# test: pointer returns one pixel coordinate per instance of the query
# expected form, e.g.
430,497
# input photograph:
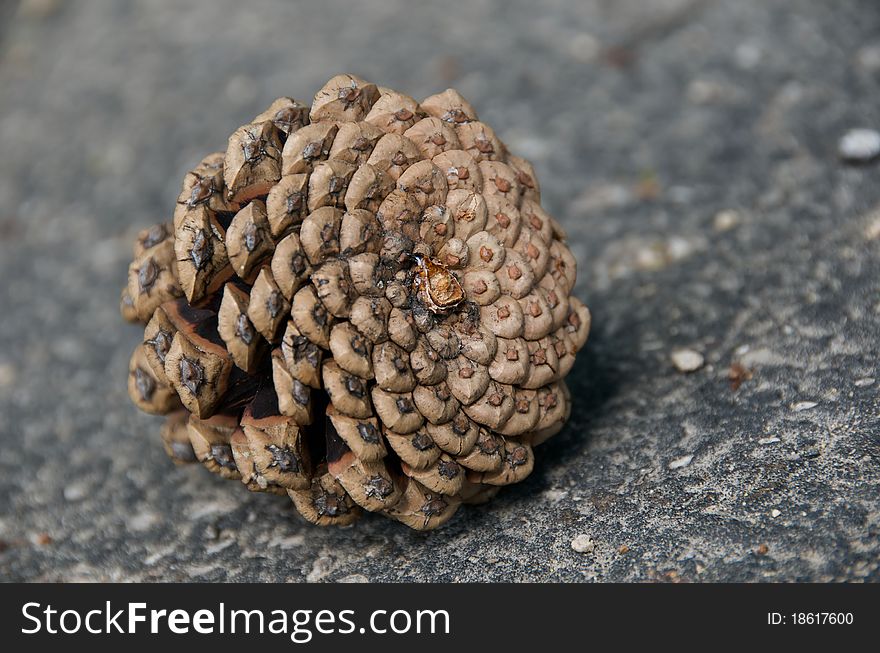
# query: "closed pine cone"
360,304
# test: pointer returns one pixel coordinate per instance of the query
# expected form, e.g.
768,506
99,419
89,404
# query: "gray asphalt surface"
688,147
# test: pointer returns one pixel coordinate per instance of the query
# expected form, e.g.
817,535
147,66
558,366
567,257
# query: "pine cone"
360,304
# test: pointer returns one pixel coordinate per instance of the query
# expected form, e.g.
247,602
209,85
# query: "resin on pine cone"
360,304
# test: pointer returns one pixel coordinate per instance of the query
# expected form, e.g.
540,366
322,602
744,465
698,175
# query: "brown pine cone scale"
360,304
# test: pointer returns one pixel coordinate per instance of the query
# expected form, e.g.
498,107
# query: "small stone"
143,521
218,546
322,566
7,375
583,544
859,145
864,383
75,492
768,440
872,225
624,549
803,405
747,55
39,9
704,91
868,58
687,360
684,461
584,47
726,220
775,513
354,578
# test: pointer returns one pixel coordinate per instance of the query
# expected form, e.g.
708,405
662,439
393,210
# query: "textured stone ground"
690,149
